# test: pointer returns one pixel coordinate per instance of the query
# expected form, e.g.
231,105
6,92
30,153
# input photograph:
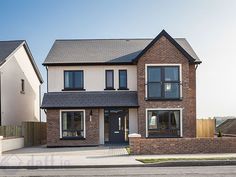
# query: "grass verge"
183,159
128,150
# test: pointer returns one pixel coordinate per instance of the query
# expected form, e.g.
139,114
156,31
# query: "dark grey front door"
117,133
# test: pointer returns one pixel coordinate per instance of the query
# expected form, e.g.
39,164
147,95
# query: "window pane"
68,79
106,125
109,79
154,74
171,73
152,120
73,124
163,123
78,79
66,120
154,90
175,123
171,90
123,79
78,121
174,120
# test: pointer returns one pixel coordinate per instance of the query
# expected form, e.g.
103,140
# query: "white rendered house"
20,82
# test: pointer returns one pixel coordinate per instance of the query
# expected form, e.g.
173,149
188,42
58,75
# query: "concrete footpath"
102,156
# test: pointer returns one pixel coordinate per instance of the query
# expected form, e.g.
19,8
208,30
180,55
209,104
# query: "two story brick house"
99,91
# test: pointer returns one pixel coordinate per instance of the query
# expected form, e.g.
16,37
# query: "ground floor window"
73,124
163,123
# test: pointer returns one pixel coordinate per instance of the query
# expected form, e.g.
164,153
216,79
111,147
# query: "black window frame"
109,88
22,86
163,82
80,130
126,87
73,88
165,136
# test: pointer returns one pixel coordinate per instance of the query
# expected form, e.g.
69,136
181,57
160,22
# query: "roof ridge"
104,39
180,38
98,39
13,41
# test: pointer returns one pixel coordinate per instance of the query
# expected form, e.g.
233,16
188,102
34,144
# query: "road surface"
211,171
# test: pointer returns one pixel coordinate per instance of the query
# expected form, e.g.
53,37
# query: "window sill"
163,99
109,89
156,137
122,89
72,89
72,138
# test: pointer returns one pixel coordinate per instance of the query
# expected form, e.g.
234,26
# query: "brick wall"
164,52
182,145
53,130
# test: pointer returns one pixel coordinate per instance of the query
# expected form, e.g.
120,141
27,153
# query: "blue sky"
210,26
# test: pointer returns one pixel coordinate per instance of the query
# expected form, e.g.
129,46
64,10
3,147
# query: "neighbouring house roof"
109,51
227,127
87,99
7,48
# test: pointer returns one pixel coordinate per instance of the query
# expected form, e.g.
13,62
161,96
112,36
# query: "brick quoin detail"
53,130
164,52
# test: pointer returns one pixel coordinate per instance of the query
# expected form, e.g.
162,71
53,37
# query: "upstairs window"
74,80
109,80
163,82
122,79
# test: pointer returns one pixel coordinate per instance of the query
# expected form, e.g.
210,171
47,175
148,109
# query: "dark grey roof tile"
90,99
7,47
103,50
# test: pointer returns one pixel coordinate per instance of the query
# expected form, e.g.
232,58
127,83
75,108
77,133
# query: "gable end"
165,34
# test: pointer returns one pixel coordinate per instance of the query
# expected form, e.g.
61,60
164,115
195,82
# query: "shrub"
219,133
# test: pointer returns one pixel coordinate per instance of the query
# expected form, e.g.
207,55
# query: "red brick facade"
53,129
182,145
164,52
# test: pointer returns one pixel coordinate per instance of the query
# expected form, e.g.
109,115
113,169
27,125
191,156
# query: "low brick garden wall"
140,145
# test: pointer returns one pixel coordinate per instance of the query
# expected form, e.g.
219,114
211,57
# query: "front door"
117,129
116,125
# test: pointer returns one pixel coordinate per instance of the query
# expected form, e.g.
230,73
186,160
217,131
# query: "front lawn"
183,159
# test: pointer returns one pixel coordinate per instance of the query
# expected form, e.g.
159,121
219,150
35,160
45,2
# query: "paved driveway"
40,156
83,156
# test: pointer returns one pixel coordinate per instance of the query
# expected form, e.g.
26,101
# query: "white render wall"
94,77
17,107
133,121
12,143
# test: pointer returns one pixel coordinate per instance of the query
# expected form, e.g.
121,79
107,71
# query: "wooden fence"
34,133
205,128
11,131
